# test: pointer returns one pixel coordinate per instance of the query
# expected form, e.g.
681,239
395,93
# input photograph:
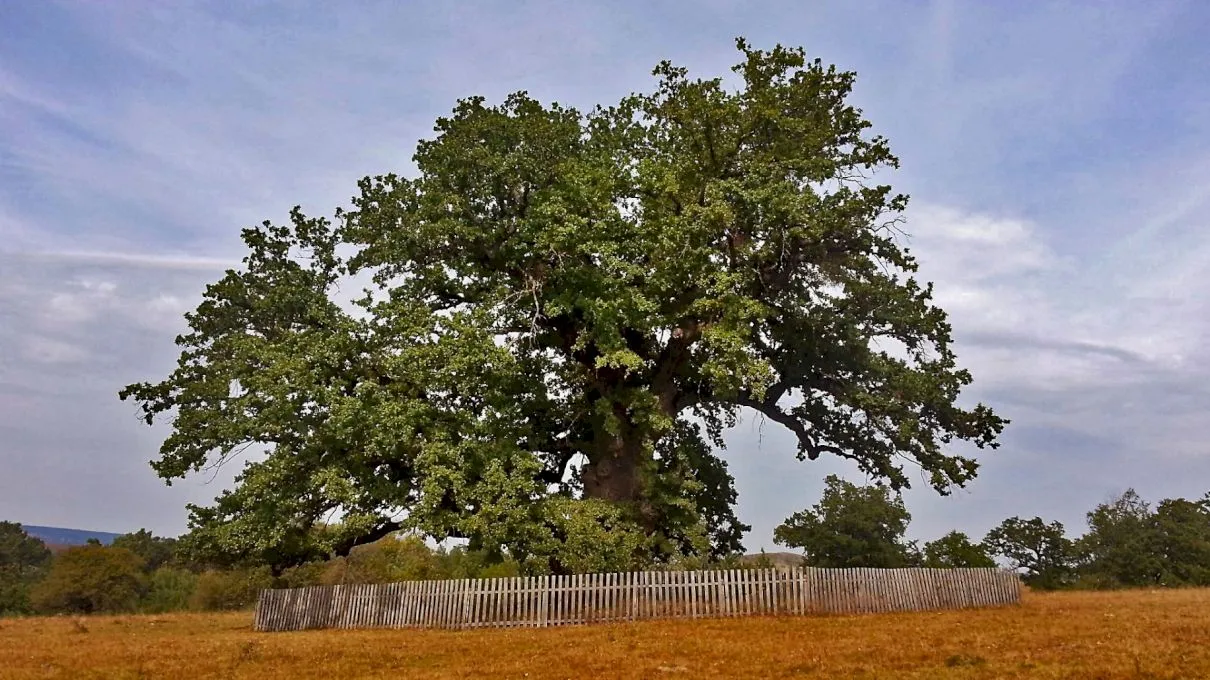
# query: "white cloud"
127,259
82,301
44,350
1033,317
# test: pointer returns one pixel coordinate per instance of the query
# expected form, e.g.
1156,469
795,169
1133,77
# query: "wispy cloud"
142,260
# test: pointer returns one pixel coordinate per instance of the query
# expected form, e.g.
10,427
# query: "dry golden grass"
1136,634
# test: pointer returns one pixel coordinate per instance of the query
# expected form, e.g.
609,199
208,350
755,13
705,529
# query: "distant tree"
1121,545
1041,550
851,526
1182,530
156,551
91,579
956,550
23,560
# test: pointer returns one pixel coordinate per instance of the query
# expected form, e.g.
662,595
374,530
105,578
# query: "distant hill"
779,559
58,536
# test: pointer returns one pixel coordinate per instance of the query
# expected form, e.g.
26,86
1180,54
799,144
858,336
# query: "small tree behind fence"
589,598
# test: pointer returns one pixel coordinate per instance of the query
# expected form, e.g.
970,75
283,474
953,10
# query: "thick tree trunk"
615,468
612,472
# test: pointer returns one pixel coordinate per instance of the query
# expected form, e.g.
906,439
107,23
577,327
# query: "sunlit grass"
1132,634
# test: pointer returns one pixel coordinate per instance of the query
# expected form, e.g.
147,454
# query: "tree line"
1128,543
141,572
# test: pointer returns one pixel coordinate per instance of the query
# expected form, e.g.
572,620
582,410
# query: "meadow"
1123,634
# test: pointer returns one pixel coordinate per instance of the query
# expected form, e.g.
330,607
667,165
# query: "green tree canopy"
955,550
1182,530
1041,550
156,551
567,310
91,579
23,560
1120,546
851,526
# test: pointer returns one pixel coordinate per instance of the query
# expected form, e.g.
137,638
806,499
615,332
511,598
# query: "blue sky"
1058,155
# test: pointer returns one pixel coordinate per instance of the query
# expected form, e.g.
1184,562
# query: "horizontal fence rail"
540,601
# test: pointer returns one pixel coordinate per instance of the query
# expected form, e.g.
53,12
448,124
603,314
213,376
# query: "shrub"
391,559
168,590
505,569
309,574
91,579
235,589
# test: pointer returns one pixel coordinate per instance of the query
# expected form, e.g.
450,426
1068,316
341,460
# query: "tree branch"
381,531
807,444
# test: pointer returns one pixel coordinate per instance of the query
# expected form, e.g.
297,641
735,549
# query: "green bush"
505,569
168,590
223,590
91,579
309,574
391,559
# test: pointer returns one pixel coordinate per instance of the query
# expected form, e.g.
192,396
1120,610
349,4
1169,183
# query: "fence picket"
648,580
569,600
568,614
633,595
514,601
606,612
605,597
437,618
802,590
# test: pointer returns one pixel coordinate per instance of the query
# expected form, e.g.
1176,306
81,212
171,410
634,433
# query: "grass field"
1135,634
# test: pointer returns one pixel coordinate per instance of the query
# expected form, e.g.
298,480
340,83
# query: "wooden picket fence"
590,598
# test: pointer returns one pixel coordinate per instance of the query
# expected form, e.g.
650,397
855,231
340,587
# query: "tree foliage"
1182,540
1041,550
851,526
1120,545
23,560
219,590
169,589
91,579
156,551
955,550
558,299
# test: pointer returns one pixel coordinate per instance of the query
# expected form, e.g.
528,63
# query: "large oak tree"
567,311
